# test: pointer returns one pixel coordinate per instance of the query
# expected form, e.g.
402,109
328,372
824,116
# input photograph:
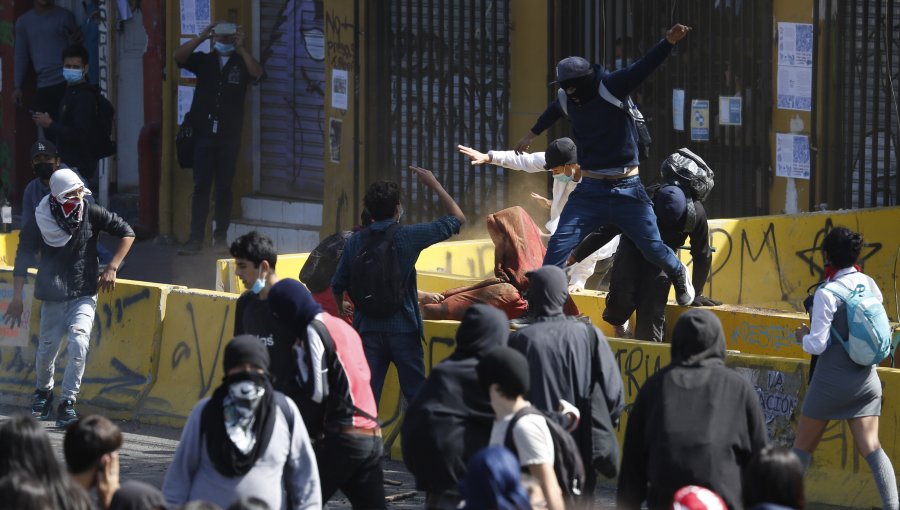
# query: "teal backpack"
869,340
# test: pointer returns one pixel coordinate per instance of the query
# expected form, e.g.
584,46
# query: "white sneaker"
684,288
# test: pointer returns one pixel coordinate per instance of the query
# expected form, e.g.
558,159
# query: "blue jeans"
74,319
623,203
405,351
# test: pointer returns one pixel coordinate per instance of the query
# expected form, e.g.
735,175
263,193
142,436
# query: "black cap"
570,68
43,147
246,349
508,368
560,152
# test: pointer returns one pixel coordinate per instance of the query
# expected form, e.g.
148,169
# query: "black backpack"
567,463
316,273
102,144
689,172
377,287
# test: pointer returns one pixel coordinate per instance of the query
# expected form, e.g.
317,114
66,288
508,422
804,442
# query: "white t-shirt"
531,437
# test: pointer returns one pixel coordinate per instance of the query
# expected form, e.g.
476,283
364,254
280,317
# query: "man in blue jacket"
606,136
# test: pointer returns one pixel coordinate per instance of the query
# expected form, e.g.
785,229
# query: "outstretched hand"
478,158
425,176
677,33
524,145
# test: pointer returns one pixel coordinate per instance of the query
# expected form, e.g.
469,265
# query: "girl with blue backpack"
850,334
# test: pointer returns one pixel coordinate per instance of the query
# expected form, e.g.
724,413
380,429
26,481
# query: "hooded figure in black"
695,422
451,417
571,360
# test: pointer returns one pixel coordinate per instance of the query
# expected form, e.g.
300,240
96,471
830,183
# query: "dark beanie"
670,205
291,302
246,349
508,368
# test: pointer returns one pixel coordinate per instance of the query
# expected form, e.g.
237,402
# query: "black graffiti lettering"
181,351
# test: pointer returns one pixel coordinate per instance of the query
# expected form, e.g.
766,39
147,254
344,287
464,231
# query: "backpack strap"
508,441
627,106
330,350
287,473
563,99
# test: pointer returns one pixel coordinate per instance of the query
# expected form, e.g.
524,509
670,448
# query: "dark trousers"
215,159
637,285
352,464
405,351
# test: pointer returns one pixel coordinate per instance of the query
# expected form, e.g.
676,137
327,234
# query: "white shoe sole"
688,297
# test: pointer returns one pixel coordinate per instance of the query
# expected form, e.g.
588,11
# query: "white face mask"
259,284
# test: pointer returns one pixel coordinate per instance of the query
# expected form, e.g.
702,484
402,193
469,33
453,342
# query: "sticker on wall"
730,110
700,120
678,109
334,139
792,156
795,58
195,16
339,86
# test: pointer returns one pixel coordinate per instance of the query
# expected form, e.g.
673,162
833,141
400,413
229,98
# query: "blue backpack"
869,340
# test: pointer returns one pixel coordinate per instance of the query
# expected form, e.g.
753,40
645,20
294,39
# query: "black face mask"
585,90
43,170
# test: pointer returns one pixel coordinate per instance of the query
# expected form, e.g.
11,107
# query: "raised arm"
184,51
428,179
624,81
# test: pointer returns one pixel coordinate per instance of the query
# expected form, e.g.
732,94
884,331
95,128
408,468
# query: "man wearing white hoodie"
560,159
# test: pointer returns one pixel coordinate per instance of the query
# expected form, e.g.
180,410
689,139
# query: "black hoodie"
571,360
695,422
451,417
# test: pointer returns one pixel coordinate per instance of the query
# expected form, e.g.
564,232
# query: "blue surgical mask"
562,177
259,284
73,76
224,48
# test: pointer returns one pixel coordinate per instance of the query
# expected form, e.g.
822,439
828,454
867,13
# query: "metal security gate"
440,78
728,54
858,140
292,99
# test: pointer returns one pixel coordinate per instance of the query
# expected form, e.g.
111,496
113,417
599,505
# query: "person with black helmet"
638,285
605,128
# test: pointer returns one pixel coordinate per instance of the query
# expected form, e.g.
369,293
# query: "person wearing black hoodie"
571,360
695,422
451,417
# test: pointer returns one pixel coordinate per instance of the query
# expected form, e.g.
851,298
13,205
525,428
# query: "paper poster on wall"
700,120
185,97
795,44
795,88
730,110
195,16
678,109
204,47
334,139
792,155
339,85
16,336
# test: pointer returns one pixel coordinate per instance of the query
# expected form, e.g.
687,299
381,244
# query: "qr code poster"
792,156
795,44
18,336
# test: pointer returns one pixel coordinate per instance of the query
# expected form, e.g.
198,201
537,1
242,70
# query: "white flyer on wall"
195,16
795,44
185,97
792,156
795,88
678,109
339,86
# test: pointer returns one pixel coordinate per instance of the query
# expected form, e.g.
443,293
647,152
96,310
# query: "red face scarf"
830,271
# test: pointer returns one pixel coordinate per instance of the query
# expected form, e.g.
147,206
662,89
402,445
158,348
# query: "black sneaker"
40,404
525,320
220,244
684,288
65,413
192,247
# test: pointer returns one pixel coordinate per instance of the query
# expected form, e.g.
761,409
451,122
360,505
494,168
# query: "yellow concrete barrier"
8,245
771,261
838,476
197,326
123,351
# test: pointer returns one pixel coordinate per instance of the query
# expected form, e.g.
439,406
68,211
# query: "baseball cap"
560,152
43,147
572,67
